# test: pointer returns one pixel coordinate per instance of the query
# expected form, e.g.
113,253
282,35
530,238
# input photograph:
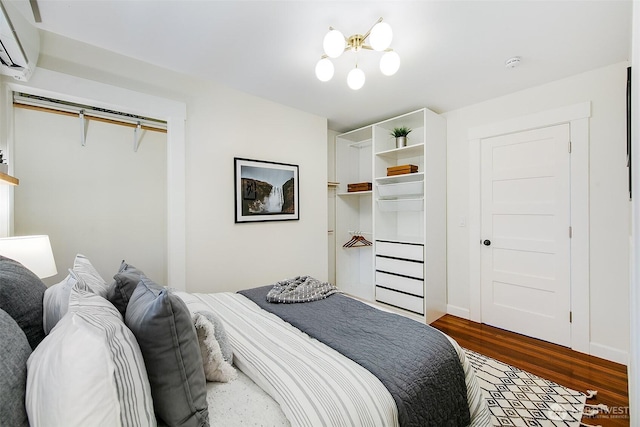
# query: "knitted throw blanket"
300,289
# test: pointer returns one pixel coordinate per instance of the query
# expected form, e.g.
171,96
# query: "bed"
274,356
85,352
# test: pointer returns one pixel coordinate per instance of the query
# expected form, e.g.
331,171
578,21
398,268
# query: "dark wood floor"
556,363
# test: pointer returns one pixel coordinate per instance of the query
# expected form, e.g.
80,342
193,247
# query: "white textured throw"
300,289
215,367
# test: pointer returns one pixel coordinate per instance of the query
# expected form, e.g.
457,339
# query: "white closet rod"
88,114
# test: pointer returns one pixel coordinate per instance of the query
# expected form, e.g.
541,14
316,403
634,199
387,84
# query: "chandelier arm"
369,32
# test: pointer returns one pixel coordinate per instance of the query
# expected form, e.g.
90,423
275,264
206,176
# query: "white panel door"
525,280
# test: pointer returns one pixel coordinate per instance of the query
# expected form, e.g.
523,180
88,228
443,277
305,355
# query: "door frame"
577,116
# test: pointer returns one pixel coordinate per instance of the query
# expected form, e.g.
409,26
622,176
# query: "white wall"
102,200
223,123
609,207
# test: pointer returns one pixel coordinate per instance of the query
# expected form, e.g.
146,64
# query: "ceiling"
453,53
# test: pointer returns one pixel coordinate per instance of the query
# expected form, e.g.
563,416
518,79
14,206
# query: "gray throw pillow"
221,335
21,294
14,352
162,325
124,283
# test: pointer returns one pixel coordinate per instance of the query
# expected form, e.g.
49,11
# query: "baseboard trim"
458,311
609,353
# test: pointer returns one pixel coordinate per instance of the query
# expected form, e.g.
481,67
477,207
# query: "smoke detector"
512,62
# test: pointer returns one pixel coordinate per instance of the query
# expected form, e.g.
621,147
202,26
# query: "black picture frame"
266,191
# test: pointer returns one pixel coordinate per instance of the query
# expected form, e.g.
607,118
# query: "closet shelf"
394,179
8,179
355,193
404,152
394,205
400,189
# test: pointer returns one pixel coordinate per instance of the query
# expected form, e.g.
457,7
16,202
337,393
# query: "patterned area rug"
518,398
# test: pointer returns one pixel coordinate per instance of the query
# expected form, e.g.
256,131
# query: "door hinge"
569,146
570,317
570,232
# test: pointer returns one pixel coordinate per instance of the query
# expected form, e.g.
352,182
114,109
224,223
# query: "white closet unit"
403,215
354,212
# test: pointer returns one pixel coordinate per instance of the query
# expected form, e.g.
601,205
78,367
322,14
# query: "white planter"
4,168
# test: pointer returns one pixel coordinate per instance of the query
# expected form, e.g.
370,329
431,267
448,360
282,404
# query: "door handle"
487,242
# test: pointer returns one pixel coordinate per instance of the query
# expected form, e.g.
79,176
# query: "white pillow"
90,276
56,298
89,370
56,302
215,367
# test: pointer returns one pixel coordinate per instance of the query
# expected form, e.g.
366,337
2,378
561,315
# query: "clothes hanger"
357,240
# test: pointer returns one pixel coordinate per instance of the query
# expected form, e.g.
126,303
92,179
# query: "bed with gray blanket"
363,366
415,362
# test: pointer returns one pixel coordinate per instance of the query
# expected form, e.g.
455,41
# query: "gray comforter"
415,362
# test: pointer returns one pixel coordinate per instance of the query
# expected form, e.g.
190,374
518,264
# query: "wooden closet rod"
86,116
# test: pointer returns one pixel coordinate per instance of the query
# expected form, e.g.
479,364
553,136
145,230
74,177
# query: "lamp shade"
381,36
389,63
34,252
334,44
324,70
355,78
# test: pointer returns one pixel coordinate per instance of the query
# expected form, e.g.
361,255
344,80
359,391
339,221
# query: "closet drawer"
399,266
400,250
399,283
397,299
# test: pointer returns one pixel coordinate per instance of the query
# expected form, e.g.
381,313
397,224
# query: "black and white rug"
518,398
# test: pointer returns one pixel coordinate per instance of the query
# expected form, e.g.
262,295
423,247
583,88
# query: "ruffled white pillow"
215,367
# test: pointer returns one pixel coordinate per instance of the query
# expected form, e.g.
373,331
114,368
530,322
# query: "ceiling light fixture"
335,43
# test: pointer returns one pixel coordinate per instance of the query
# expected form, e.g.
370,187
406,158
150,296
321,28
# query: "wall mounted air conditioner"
19,43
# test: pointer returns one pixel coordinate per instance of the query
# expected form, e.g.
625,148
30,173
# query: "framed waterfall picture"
265,191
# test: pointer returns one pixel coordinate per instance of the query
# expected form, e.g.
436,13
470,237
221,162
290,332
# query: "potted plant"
400,133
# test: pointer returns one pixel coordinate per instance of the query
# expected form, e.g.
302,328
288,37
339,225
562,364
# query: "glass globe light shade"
324,70
389,63
355,78
334,44
380,36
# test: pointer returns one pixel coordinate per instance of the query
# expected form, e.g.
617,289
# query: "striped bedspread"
313,384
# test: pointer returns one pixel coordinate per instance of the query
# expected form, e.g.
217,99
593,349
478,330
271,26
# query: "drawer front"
397,299
402,284
400,250
398,266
